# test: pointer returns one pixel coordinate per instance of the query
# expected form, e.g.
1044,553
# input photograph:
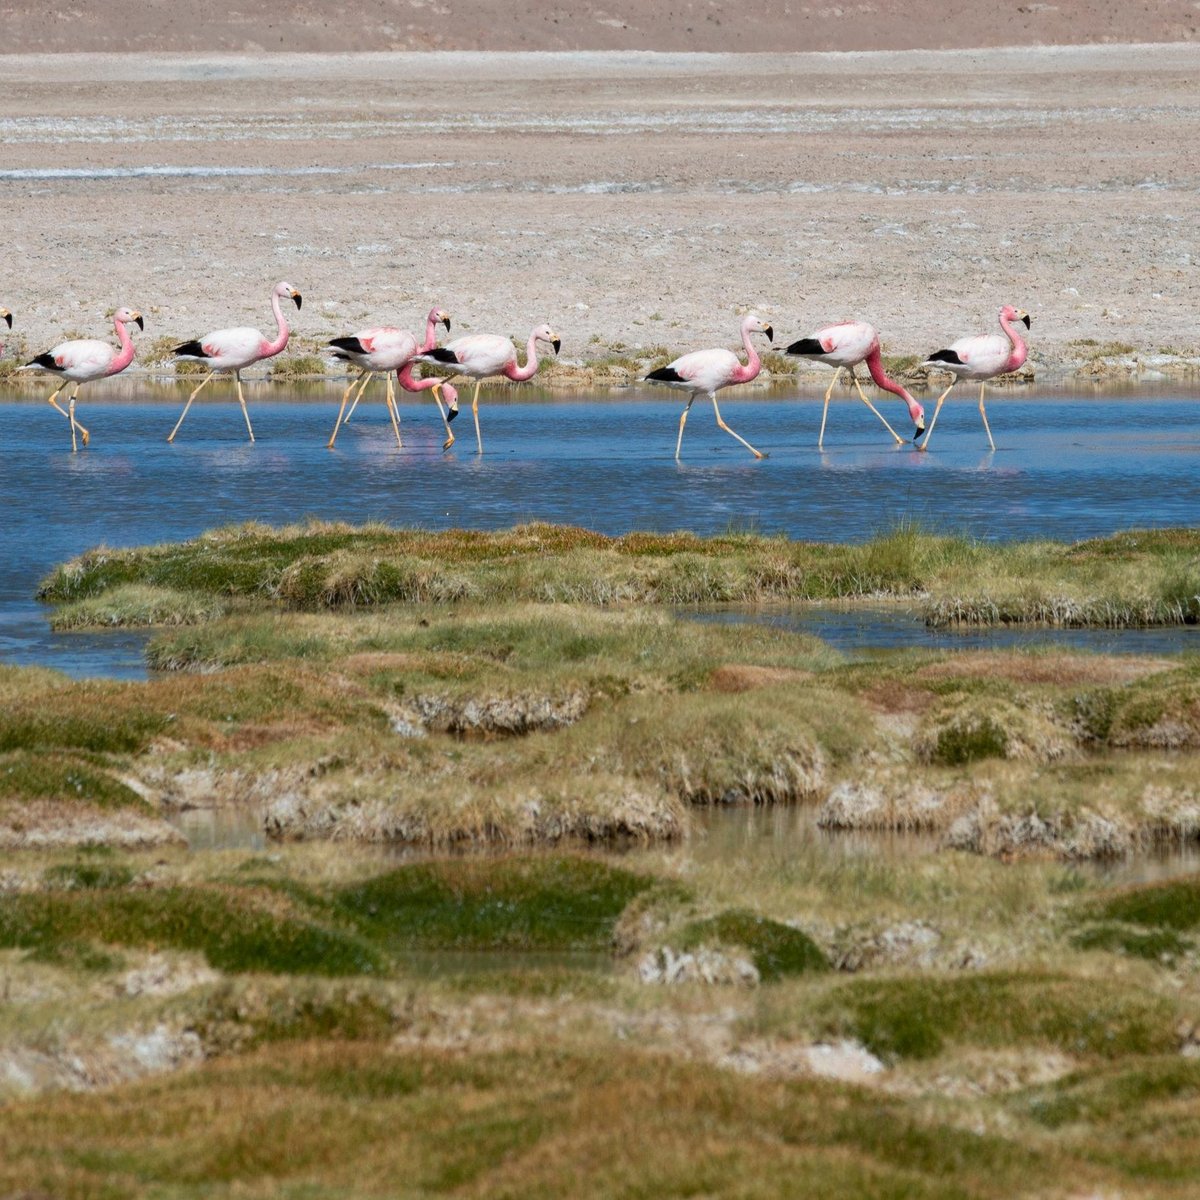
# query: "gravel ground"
630,200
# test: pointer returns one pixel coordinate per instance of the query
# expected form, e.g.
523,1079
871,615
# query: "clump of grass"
88,875
917,1018
137,605
1156,945
62,778
297,366
973,728
777,950
235,929
561,903
1172,905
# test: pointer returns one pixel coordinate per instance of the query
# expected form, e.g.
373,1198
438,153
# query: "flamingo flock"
387,349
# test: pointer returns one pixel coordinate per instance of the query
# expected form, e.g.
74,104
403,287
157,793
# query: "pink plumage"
83,360
705,372
848,344
235,349
982,357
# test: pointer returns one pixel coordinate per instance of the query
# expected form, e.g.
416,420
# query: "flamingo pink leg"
983,414
825,411
437,399
393,410
363,378
683,421
475,414
237,379
863,397
196,391
366,378
937,409
738,436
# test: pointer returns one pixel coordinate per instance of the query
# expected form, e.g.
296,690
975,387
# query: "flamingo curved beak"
769,332
919,432
1025,318
446,322
140,323
7,316
556,343
298,299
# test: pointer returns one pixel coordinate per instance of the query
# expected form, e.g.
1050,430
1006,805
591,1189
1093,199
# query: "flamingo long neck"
1020,352
520,374
874,362
411,384
430,335
281,340
753,362
125,354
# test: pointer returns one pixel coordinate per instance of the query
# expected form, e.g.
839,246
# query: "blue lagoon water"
1065,467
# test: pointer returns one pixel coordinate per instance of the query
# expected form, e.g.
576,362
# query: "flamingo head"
755,324
450,392
440,314
1008,313
124,315
543,333
917,413
5,315
285,291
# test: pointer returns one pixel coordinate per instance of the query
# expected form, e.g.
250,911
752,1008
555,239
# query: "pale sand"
637,199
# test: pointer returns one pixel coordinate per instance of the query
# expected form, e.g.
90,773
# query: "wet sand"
631,200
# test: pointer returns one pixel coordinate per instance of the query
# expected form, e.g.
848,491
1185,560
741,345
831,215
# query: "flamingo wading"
983,358
483,355
84,360
847,345
235,349
705,372
387,349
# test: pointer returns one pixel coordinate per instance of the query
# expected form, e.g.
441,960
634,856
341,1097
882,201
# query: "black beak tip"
770,334
556,344
8,318
298,299
451,413
920,431
446,322
1025,318
140,324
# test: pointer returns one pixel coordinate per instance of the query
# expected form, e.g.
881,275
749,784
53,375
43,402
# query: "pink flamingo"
439,388
235,349
384,349
83,360
705,372
983,358
483,355
847,345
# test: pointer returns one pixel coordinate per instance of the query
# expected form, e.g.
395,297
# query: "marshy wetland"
498,925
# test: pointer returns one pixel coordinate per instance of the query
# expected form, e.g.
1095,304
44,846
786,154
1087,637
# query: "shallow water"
1066,467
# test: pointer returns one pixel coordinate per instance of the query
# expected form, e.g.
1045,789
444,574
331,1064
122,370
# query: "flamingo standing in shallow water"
982,358
847,345
235,349
482,355
705,372
384,349
83,360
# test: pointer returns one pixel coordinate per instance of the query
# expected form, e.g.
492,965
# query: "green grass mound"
137,605
62,778
235,929
1174,905
535,903
776,949
919,1018
1155,945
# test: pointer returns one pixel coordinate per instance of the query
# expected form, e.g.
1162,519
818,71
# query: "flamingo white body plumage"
981,358
235,349
384,349
83,360
846,345
481,356
705,372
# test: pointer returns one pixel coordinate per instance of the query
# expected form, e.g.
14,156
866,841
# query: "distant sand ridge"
672,25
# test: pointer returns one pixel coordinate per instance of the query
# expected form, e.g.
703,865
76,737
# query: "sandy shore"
631,200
